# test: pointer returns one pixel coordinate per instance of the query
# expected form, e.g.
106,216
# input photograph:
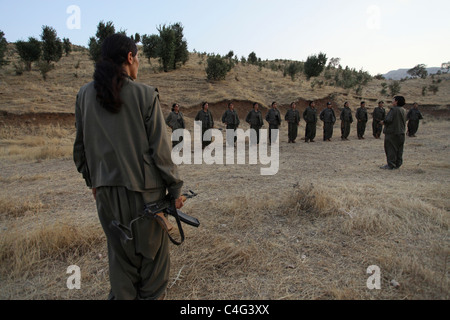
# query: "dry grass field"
309,232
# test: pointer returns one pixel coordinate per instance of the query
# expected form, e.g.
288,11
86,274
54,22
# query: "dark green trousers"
413,127
138,269
310,131
292,131
328,130
393,146
345,129
377,129
361,128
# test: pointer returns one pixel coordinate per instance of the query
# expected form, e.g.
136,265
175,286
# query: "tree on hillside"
51,45
395,88
334,62
151,46
67,46
419,71
252,58
29,51
314,65
3,49
217,67
169,46
181,46
136,38
95,43
293,68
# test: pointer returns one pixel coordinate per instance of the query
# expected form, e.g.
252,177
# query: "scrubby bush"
29,51
217,67
314,65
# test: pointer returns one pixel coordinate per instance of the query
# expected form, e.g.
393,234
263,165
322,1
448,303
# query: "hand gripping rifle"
160,211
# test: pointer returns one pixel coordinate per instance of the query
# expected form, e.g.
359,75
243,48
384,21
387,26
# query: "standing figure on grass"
231,119
413,117
329,119
346,121
362,118
175,121
379,114
394,131
273,117
255,120
293,119
206,117
123,151
310,116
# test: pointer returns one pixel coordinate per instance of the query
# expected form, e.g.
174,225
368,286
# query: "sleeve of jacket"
79,155
160,150
247,119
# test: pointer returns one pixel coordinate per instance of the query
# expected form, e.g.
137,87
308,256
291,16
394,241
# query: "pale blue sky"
377,36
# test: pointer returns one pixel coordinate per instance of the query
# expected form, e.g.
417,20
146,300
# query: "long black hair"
109,75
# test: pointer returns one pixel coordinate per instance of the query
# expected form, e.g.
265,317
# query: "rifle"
160,211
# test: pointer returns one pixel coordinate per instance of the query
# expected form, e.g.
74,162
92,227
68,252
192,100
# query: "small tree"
67,46
44,68
181,46
95,43
29,51
136,38
151,46
395,88
314,65
433,88
51,45
217,68
3,49
167,47
252,58
293,68
419,71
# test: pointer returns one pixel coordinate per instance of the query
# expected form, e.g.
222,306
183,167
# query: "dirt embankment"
217,109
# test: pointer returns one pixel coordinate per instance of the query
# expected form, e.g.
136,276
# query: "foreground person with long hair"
123,151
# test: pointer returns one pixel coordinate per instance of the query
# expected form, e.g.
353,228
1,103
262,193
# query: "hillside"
188,87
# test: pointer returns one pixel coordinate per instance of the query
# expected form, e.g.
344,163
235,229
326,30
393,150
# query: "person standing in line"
293,119
362,118
346,121
329,119
206,117
394,131
413,117
175,121
310,116
273,117
123,152
231,120
255,120
379,114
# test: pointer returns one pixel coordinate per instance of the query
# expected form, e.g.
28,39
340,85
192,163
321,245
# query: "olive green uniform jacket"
175,121
394,130
129,149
